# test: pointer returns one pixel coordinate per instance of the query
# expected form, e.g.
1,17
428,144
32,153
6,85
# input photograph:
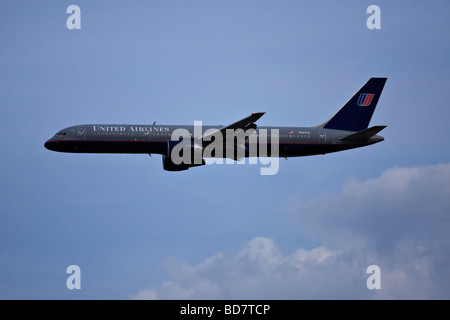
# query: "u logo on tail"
365,99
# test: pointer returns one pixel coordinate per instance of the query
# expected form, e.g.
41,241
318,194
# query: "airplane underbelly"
137,146
299,149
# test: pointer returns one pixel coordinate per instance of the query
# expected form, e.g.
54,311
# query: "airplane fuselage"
154,139
186,146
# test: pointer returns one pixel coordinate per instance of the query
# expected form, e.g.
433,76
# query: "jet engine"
182,155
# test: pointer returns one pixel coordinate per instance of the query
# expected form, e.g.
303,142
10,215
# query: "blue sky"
223,231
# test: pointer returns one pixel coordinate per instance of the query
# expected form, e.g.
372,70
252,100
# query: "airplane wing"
243,124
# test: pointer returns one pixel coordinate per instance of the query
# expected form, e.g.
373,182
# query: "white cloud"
146,294
399,221
403,204
258,270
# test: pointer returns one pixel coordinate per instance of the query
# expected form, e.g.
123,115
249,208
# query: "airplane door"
322,136
82,133
147,135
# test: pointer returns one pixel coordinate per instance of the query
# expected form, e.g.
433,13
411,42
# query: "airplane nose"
49,144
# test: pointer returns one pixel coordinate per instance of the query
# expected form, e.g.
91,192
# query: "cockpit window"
61,134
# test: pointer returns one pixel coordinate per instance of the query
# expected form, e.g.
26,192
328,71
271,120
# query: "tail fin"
355,115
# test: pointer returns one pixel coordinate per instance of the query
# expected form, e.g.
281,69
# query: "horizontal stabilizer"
364,134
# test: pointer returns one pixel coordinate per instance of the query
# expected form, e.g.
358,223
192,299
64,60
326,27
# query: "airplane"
347,129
